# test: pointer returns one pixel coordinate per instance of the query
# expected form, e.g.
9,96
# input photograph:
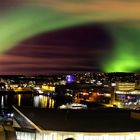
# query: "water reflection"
19,99
43,101
23,100
37,101
2,102
5,100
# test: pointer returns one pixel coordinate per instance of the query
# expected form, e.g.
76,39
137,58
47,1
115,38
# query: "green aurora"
125,56
24,22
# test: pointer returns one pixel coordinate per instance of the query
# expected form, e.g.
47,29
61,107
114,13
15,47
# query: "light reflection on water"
37,101
43,101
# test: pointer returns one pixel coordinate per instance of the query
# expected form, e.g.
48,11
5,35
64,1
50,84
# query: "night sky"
60,36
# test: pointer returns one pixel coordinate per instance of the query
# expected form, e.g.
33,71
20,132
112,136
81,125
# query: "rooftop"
101,120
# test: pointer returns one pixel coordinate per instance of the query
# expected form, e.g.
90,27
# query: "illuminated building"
127,95
48,88
125,86
70,78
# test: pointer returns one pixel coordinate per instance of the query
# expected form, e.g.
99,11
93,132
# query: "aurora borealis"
22,21
125,57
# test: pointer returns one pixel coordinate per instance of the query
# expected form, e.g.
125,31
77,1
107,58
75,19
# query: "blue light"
70,78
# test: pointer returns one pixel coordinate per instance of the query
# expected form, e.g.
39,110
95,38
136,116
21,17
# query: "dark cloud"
68,50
